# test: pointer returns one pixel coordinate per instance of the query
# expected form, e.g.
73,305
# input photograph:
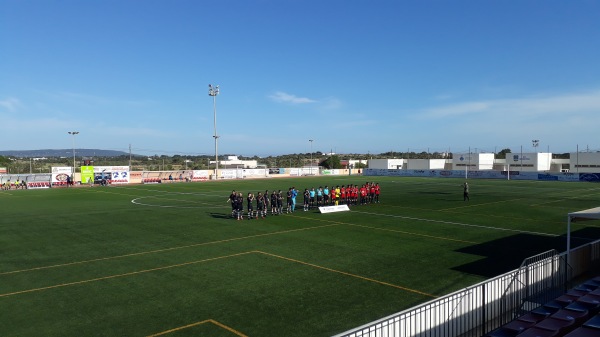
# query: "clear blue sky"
355,76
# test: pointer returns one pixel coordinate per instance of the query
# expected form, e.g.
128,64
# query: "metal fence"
478,309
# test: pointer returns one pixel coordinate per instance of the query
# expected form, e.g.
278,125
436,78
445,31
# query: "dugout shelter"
587,214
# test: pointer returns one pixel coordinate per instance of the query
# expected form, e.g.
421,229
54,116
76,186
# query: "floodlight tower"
73,133
535,143
214,91
311,153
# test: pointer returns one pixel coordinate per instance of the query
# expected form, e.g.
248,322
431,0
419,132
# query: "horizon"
300,76
79,151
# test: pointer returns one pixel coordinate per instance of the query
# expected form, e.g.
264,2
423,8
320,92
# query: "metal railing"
478,309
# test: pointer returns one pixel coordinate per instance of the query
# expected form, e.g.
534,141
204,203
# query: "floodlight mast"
73,133
214,91
535,143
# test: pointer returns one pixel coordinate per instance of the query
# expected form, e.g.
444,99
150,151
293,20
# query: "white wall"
425,164
391,164
529,161
584,162
474,161
486,161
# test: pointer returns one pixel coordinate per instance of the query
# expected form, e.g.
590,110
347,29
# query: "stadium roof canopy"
587,214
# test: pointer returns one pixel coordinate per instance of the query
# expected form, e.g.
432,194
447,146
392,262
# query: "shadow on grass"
506,254
220,215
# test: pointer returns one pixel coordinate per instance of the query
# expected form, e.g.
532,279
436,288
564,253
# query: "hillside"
62,153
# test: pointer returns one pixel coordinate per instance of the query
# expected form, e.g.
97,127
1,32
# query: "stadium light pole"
73,133
214,91
311,159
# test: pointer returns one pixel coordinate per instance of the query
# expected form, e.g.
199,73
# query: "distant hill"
63,153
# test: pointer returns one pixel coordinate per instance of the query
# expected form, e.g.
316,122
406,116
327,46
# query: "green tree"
332,162
4,161
502,153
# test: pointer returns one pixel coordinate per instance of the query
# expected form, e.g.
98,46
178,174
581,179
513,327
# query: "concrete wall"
529,161
425,164
391,164
584,162
474,161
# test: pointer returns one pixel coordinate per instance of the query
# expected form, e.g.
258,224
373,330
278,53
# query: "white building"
473,161
535,162
388,164
408,164
234,162
585,162
352,163
425,164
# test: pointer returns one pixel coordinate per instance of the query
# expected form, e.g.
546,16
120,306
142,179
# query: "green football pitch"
168,260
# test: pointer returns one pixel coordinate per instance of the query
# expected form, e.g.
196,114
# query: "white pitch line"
457,223
213,194
136,202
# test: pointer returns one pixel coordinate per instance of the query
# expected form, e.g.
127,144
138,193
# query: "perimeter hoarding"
61,173
514,175
87,174
243,173
330,172
200,175
116,174
589,177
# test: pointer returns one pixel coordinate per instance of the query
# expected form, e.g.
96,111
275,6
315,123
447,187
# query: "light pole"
73,133
311,160
214,91
535,143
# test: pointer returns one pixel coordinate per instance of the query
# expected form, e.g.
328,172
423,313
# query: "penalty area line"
124,274
168,249
212,321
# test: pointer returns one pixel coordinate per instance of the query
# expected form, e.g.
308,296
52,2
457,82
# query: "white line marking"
457,223
202,205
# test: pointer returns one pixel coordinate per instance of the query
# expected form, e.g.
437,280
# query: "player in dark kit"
239,201
306,199
279,202
250,200
274,202
231,199
267,199
288,197
260,205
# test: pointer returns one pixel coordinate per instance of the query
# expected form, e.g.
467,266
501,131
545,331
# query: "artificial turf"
143,260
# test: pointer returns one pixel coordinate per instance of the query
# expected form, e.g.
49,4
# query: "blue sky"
355,76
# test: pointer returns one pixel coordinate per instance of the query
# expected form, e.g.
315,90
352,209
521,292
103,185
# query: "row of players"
345,195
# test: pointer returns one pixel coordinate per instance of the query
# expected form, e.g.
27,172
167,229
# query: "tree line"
203,162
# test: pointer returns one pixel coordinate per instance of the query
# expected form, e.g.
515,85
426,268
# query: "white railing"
480,308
